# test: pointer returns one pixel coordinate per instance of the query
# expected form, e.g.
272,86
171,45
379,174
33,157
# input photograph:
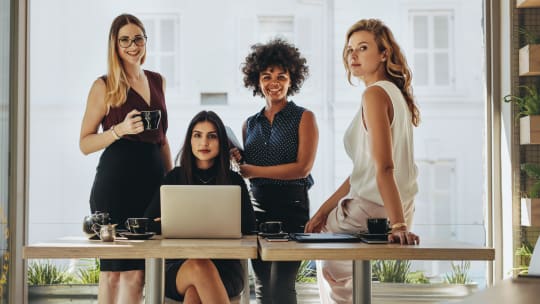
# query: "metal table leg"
154,281
361,282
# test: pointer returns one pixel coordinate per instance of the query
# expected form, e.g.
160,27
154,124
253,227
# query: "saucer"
137,236
279,234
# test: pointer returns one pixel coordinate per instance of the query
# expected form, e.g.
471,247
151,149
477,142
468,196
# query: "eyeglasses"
126,42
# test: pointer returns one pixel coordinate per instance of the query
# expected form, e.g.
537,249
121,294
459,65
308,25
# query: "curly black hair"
277,52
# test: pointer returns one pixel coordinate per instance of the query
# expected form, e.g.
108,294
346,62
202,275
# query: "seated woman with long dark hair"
204,160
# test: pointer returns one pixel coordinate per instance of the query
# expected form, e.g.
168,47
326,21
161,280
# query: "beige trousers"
350,215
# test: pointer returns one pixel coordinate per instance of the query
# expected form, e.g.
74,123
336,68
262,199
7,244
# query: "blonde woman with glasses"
134,160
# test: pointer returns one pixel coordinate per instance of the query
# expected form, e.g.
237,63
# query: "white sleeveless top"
363,180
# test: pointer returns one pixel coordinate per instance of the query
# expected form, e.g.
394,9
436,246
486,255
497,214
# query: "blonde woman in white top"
379,141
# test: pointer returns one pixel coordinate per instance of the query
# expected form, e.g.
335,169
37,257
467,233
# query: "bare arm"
378,114
317,222
90,140
308,139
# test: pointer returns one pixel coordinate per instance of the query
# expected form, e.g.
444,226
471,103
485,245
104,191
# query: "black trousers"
275,281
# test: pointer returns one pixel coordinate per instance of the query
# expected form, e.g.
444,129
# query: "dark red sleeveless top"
135,101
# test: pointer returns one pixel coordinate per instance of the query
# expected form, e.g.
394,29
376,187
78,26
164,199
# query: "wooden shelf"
529,130
529,60
527,3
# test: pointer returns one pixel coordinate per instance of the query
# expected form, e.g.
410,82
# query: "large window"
431,53
163,55
200,51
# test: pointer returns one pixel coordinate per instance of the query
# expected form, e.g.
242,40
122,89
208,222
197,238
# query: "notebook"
194,211
324,237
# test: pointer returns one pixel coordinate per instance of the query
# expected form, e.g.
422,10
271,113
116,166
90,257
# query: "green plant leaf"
46,272
390,271
528,101
528,36
305,274
533,172
89,274
459,273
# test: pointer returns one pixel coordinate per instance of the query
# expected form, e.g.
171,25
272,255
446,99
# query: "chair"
243,298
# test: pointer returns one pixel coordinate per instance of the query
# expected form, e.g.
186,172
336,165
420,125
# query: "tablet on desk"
324,237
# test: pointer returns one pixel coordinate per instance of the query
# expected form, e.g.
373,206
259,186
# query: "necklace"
204,181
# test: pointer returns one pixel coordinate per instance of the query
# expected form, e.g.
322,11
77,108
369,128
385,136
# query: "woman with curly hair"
280,143
379,142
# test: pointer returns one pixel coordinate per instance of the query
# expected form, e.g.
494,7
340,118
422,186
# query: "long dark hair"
222,162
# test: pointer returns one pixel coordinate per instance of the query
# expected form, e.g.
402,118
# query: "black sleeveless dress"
130,169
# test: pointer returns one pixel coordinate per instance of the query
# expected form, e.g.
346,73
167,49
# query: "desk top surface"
520,290
80,247
427,250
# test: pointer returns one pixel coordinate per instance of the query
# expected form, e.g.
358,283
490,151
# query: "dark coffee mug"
377,225
150,119
271,227
137,225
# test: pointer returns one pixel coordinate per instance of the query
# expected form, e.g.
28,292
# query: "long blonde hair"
117,83
396,66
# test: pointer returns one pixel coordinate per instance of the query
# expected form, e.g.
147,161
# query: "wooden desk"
154,251
520,290
361,254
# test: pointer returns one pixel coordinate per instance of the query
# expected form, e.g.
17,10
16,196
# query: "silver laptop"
210,211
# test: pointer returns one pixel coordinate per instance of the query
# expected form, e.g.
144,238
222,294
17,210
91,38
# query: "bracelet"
115,135
398,225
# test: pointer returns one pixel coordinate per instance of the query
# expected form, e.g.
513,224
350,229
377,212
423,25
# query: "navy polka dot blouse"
274,144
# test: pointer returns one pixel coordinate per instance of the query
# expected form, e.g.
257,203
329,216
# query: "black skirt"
127,176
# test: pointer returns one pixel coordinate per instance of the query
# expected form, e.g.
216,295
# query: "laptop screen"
195,211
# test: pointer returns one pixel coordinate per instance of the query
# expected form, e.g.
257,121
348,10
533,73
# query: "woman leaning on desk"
379,141
204,160
280,143
134,161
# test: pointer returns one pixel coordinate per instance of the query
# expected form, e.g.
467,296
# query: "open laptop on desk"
194,211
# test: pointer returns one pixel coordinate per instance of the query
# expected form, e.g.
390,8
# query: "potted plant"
529,55
528,113
523,256
306,283
50,283
411,287
530,204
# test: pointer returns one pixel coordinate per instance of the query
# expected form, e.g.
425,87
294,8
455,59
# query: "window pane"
150,27
213,99
420,69
276,26
168,68
150,62
440,32
442,73
167,35
420,31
